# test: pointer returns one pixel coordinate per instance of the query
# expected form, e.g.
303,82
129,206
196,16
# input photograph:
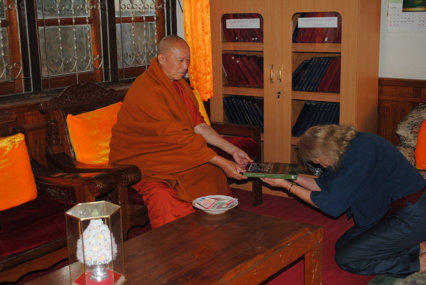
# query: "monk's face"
175,61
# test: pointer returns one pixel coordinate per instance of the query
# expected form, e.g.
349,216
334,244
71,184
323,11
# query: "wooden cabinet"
358,50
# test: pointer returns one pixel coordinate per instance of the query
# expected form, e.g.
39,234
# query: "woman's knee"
342,257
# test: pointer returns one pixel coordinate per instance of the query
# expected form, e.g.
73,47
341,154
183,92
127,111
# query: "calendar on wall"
399,21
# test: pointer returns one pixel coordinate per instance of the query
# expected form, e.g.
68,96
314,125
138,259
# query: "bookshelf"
349,49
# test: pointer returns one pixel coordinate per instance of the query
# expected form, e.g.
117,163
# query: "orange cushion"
420,152
90,133
17,184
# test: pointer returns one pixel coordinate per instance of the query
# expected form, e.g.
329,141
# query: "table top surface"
201,248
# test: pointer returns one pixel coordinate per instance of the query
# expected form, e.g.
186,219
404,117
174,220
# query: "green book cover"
272,170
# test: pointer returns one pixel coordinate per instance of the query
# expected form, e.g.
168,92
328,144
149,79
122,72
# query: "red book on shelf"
228,66
247,35
335,84
339,30
246,60
228,34
300,32
257,66
307,33
259,32
328,76
317,34
245,71
333,35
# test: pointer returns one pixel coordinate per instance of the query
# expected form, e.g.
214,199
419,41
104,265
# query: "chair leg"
125,210
257,192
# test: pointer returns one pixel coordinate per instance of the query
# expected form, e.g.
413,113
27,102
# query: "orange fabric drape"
196,23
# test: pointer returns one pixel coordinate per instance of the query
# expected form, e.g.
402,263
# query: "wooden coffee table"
233,248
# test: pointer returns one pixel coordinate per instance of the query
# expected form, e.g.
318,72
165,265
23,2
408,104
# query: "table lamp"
95,244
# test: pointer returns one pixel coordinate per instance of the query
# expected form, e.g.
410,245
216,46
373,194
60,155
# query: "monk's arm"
213,138
230,168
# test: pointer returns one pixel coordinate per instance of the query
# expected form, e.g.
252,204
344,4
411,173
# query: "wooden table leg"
313,260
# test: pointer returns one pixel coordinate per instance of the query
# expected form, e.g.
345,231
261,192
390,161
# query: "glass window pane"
66,49
2,9
62,8
134,8
136,44
5,65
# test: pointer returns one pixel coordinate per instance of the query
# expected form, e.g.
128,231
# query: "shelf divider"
254,92
315,96
242,46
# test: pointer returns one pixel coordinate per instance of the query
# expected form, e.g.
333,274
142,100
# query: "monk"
160,130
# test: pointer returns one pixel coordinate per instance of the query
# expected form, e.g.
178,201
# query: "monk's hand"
241,158
233,170
277,182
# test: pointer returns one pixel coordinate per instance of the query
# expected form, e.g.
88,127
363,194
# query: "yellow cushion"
17,184
201,107
420,152
90,133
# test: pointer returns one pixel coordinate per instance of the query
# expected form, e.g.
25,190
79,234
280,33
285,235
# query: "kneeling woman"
367,177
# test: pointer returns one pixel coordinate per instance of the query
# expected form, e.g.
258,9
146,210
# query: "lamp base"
113,278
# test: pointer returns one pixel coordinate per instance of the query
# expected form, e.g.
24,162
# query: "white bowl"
212,210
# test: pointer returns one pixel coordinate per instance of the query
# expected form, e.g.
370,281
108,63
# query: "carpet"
413,279
297,211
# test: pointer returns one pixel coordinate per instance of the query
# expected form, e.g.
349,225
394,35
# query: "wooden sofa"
32,235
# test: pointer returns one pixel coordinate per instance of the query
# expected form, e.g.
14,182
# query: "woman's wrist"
291,186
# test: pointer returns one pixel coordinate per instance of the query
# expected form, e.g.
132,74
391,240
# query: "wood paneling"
397,97
26,113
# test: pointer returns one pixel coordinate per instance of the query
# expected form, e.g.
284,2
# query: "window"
11,77
47,44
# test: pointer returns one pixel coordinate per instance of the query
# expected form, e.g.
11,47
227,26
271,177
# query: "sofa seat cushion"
246,144
32,224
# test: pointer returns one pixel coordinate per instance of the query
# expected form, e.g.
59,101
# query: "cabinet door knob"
280,74
271,73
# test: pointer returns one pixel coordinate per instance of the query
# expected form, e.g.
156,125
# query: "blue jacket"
372,173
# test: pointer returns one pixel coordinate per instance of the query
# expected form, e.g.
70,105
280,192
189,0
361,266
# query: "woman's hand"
276,182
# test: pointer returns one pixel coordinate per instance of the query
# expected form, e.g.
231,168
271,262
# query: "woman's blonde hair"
329,141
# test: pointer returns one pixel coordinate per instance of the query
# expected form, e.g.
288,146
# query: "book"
272,170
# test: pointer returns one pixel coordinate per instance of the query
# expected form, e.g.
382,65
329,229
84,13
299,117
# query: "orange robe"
155,132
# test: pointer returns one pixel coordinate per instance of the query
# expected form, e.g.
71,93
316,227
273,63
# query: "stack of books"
319,35
318,74
244,110
316,113
241,34
243,70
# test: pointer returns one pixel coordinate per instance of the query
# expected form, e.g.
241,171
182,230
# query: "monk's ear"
161,59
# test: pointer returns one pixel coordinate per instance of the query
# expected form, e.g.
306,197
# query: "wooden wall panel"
26,113
397,97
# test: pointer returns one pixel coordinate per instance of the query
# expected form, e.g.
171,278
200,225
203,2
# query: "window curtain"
196,23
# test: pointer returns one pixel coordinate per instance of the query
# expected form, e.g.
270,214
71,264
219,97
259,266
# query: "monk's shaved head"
168,43
173,57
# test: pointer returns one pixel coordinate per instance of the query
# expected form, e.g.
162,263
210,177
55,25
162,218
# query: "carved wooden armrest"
67,187
253,132
126,175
